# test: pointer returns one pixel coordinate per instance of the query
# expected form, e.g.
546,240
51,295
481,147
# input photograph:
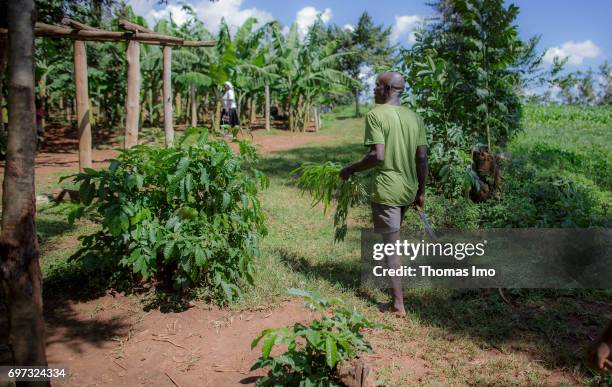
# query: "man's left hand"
345,173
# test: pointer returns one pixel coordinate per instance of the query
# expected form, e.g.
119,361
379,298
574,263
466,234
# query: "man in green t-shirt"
398,151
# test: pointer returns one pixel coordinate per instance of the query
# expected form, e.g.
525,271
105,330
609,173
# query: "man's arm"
421,170
372,159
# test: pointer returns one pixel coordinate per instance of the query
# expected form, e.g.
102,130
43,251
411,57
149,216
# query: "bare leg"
394,262
600,354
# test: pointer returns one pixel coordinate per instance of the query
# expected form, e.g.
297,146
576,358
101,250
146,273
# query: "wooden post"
82,102
194,106
168,129
267,107
132,102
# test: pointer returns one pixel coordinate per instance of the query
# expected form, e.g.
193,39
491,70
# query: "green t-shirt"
401,130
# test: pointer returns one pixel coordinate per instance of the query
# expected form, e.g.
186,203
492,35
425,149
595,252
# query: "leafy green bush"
313,351
323,182
188,215
542,198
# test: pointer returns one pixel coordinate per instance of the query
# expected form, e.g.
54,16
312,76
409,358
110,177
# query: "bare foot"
392,308
603,360
599,355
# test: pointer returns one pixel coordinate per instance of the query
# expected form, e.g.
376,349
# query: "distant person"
229,115
398,151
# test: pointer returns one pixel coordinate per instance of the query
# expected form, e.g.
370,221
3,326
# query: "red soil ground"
112,341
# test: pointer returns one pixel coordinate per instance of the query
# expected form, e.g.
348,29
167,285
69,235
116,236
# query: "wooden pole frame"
167,90
267,107
82,98
86,33
135,35
132,100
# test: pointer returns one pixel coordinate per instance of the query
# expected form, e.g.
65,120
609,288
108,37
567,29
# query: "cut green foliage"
187,215
313,351
323,182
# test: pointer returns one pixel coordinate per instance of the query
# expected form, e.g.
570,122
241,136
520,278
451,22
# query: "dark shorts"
387,218
231,118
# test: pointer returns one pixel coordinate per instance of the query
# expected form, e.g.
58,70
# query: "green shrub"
188,215
313,351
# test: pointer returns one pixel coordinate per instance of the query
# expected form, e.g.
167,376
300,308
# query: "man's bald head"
393,79
389,87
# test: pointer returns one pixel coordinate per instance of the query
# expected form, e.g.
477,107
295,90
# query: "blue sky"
577,29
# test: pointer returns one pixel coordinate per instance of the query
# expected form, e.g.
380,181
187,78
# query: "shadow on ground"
549,326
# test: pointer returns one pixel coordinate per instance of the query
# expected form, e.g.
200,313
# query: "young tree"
479,45
605,84
465,73
369,46
20,270
585,88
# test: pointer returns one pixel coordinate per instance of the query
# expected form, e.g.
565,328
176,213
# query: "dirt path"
58,155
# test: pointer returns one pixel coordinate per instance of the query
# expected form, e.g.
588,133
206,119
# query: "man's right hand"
419,200
345,173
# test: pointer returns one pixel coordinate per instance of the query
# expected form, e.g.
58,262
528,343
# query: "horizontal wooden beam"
48,30
78,25
128,25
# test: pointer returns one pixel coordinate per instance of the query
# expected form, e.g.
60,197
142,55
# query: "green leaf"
268,345
263,333
331,351
200,257
168,249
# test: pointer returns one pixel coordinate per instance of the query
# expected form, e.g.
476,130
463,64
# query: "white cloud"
307,16
179,16
576,52
405,27
209,12
349,27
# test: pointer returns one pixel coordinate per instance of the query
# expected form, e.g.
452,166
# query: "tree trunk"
194,106
299,114
20,270
267,107
150,107
3,47
168,125
205,109
290,111
178,107
82,96
356,95
132,101
252,111
317,121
